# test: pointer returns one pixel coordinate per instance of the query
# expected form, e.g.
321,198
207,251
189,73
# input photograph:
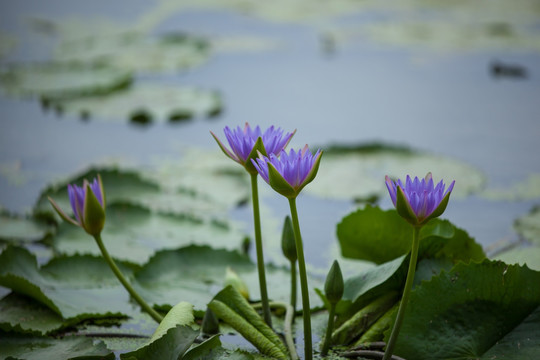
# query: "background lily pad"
146,103
18,229
196,273
528,226
360,170
55,80
529,256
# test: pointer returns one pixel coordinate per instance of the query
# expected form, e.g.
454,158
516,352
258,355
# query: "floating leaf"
524,190
380,236
76,288
146,103
528,226
17,229
143,232
54,80
21,314
136,51
231,307
180,314
196,273
38,348
464,312
529,256
345,165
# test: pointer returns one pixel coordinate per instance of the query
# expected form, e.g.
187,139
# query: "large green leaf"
143,232
39,348
463,313
76,288
357,172
195,274
380,236
529,256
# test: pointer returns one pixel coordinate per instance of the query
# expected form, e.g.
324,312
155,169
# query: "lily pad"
196,273
464,312
527,189
529,256
360,170
38,348
17,229
54,80
7,44
75,288
380,236
143,232
136,51
528,226
146,103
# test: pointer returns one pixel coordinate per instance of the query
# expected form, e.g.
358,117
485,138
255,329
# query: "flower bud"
333,287
288,245
210,323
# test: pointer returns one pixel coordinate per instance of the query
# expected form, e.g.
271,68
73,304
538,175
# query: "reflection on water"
366,80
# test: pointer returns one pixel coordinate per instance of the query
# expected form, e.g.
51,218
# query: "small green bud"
333,287
288,245
210,323
232,278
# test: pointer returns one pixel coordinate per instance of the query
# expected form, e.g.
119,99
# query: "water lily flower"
419,201
290,172
247,142
88,205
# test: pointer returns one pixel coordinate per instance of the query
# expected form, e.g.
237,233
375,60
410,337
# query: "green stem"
329,329
293,285
153,313
405,298
259,250
303,281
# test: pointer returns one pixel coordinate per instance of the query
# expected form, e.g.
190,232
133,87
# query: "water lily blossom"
289,173
247,142
88,205
419,201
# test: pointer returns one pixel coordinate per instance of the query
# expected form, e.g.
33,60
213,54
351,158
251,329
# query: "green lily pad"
76,288
342,167
38,348
196,273
528,226
145,103
54,80
465,312
17,229
524,190
380,236
136,51
529,256
21,314
143,232
7,44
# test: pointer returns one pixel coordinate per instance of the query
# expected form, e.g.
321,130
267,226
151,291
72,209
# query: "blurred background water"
457,80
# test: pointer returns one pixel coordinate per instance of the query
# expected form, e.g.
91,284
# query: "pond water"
442,99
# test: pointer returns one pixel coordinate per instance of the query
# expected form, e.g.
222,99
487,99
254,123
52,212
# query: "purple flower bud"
88,205
289,173
417,200
246,143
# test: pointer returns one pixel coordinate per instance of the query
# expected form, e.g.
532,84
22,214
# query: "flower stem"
157,317
406,292
293,285
259,250
308,353
329,329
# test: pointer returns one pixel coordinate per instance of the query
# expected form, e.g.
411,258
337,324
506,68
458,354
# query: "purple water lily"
417,200
290,172
88,205
245,143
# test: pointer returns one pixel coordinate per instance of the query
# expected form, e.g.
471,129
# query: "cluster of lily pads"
430,282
